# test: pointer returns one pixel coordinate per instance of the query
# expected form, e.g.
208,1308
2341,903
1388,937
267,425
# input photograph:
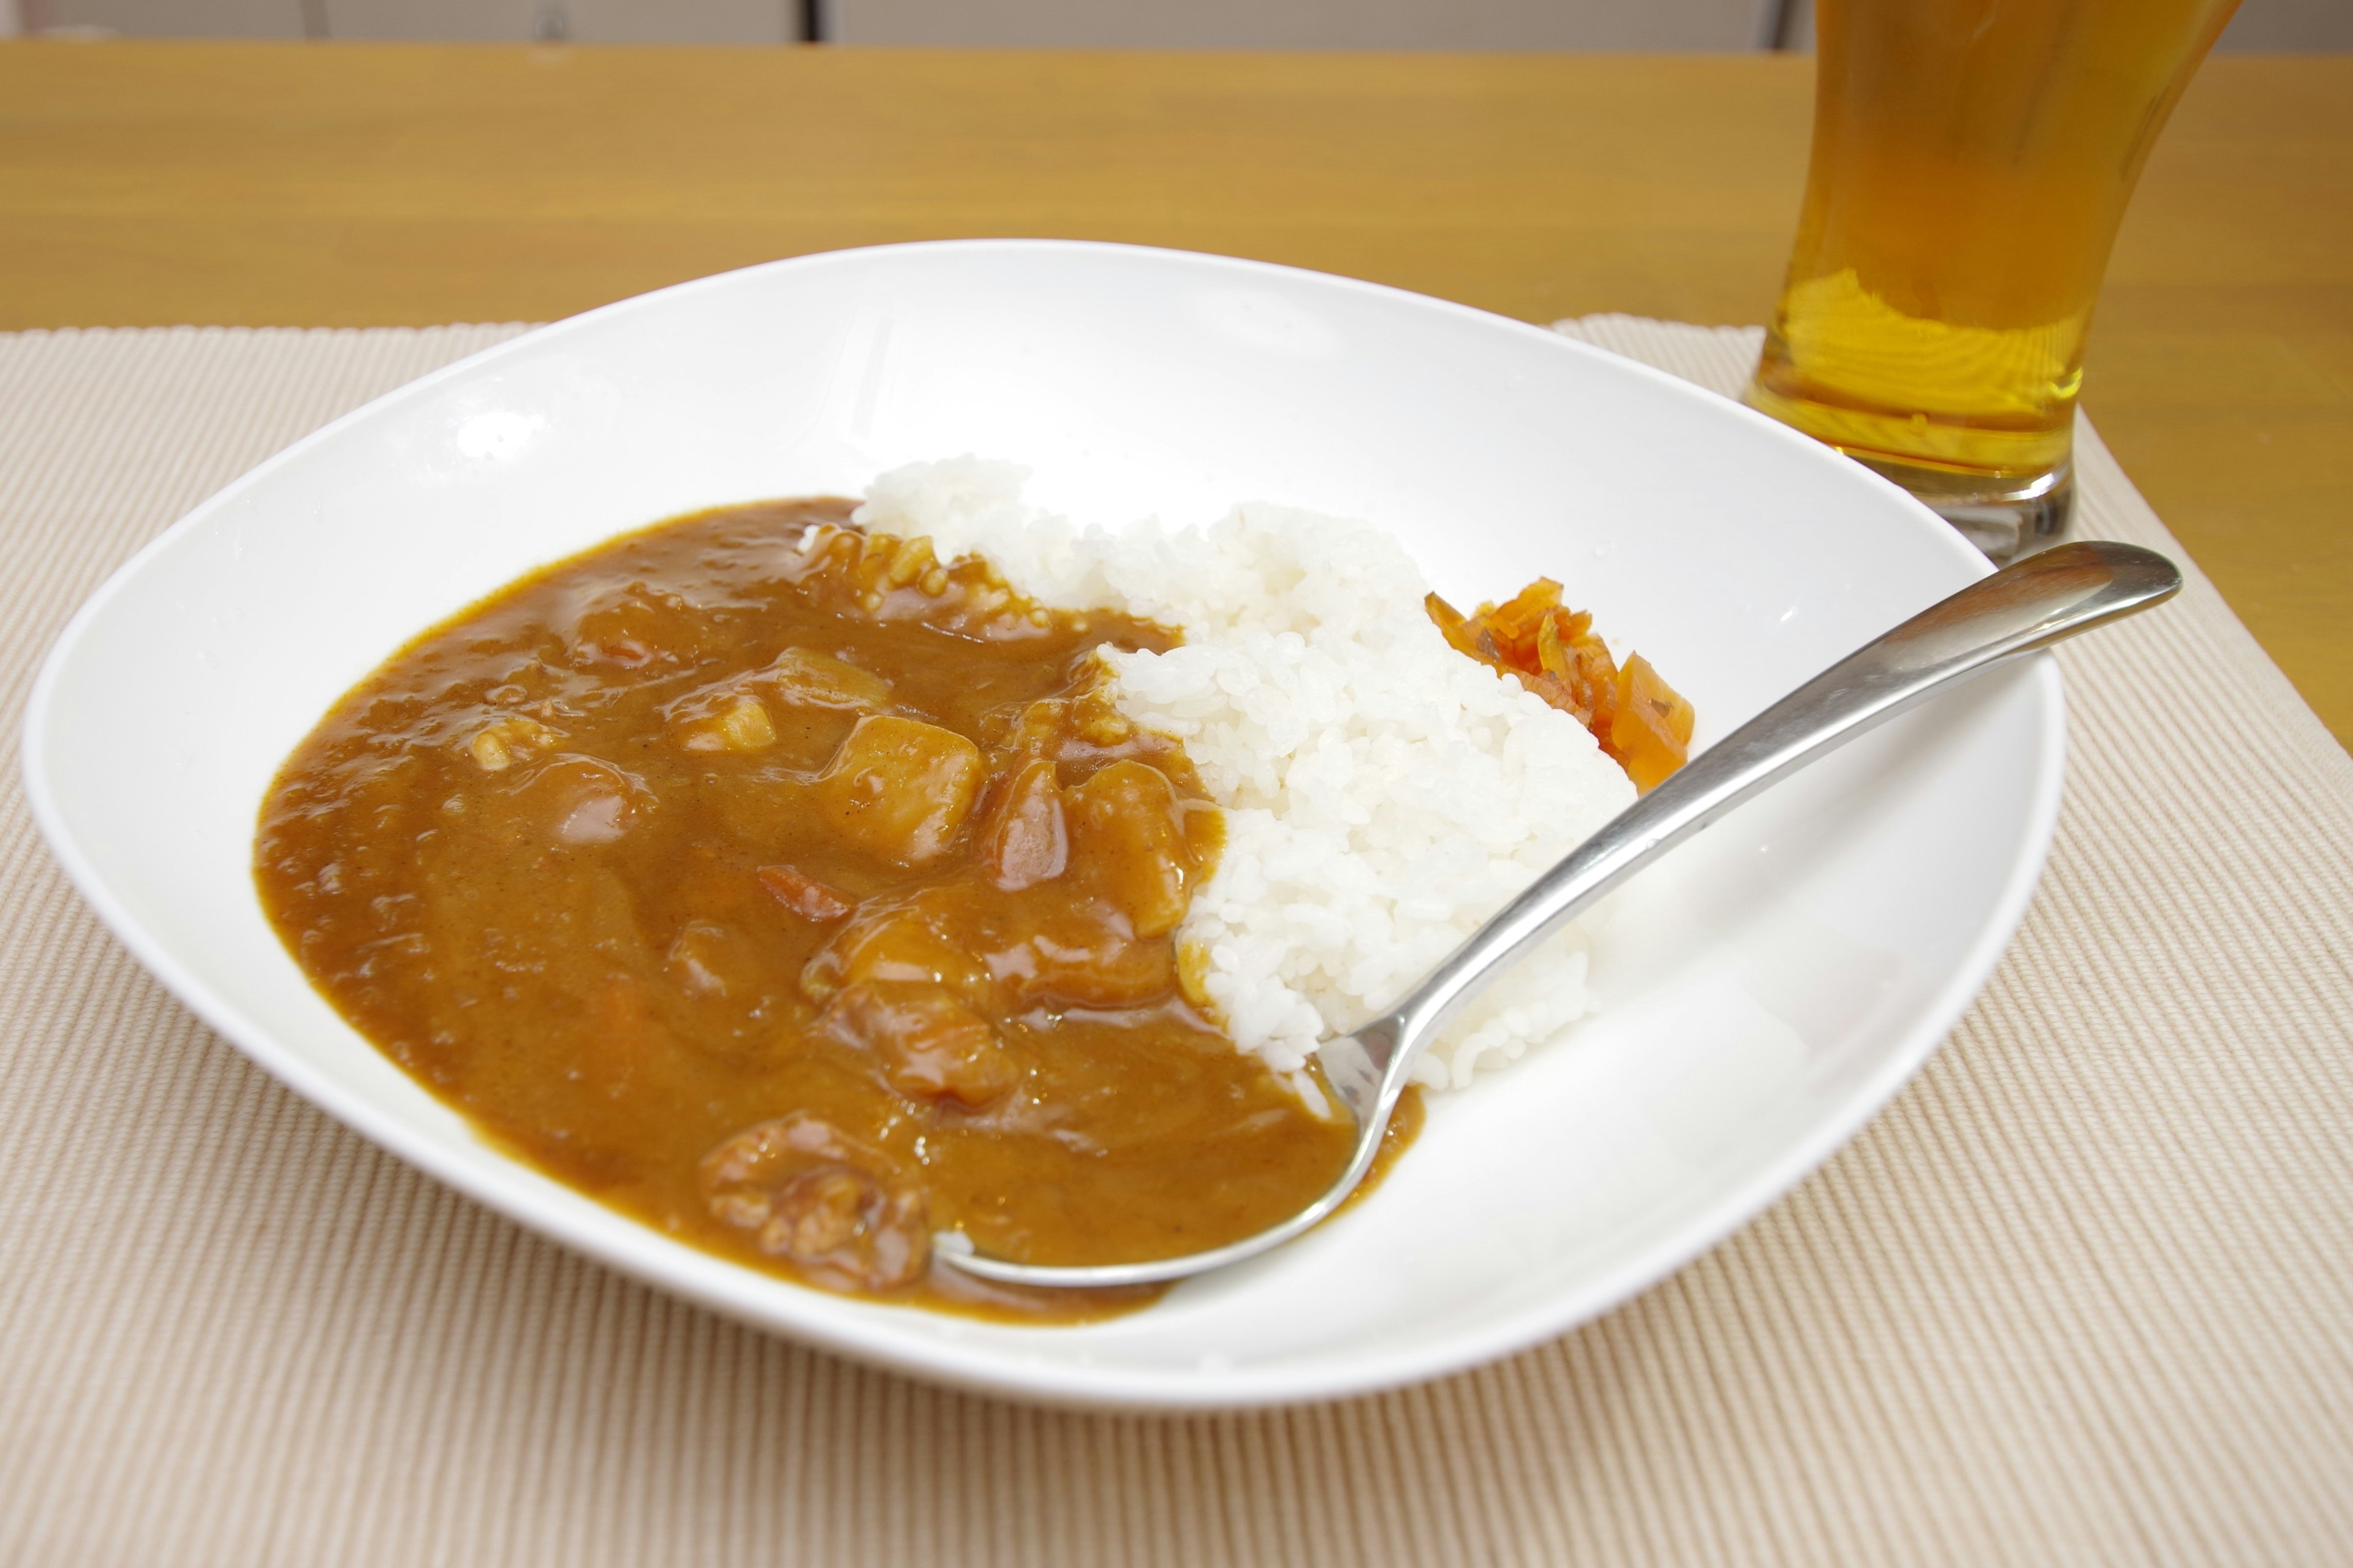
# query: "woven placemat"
2081,1295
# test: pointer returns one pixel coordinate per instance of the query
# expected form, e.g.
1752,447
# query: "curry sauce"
801,895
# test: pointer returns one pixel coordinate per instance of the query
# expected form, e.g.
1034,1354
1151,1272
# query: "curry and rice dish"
803,889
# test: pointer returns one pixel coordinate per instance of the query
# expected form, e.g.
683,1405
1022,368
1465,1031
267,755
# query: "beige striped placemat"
2080,1296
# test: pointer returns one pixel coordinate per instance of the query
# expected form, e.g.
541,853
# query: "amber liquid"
1971,162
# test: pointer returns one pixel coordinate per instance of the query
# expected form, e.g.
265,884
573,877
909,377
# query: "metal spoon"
2022,607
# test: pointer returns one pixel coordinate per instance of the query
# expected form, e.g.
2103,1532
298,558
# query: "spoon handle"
2022,607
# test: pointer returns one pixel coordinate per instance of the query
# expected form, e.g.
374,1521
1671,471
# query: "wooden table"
334,185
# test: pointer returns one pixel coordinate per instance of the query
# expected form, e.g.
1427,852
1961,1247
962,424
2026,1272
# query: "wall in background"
2291,27
587,21
1730,25
1509,24
168,18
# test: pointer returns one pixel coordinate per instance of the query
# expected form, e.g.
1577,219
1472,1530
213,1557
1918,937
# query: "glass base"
2006,522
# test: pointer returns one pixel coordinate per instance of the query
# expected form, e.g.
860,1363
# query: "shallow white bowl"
1766,989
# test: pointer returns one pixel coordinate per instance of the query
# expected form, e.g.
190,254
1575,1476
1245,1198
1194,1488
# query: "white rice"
1384,794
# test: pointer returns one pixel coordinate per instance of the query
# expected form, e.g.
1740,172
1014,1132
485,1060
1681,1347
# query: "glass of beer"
1972,162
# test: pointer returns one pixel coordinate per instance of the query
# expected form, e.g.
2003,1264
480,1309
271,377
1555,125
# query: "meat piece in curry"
801,895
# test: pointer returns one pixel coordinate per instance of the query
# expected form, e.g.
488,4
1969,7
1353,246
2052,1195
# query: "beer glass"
1972,162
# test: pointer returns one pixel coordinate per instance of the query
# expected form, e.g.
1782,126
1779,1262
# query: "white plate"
1768,988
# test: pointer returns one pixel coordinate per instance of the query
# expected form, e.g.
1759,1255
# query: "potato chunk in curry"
1131,834
898,789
